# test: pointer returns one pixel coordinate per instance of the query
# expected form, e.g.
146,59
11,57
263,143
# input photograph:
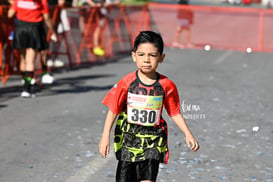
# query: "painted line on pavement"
85,174
223,57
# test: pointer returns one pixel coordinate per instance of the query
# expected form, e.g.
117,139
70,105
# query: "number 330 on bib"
144,109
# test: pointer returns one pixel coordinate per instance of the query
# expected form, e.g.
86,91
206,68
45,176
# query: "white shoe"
58,63
55,63
47,79
25,94
49,63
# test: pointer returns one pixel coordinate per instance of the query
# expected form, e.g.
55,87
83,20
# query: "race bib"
144,109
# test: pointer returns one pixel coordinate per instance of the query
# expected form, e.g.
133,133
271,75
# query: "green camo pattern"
134,142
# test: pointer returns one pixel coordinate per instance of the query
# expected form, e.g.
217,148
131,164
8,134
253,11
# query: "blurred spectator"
185,20
83,6
102,12
62,27
30,37
97,44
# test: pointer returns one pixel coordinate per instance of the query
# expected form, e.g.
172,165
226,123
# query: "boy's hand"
192,143
104,146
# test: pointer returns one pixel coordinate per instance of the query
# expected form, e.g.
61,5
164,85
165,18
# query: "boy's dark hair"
149,37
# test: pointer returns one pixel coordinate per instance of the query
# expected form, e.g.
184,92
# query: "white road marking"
223,57
92,167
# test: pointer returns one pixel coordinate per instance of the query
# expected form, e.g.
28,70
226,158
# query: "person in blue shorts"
137,101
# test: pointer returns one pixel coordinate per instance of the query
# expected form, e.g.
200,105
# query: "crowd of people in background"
30,35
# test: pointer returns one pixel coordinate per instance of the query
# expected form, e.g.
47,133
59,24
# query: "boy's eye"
152,55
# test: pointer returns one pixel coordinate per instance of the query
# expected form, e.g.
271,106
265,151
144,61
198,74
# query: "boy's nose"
147,59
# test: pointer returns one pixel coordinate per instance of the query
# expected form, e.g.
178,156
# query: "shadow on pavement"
66,85
76,84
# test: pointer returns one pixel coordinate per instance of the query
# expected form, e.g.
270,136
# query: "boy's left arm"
190,140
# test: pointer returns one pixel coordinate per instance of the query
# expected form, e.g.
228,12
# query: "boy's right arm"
104,146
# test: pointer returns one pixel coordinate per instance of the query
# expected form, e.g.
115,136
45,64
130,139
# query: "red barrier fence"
220,27
8,63
234,28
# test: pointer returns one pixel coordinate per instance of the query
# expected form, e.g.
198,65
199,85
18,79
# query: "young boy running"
140,139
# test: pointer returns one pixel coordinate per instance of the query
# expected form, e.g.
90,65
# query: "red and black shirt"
141,132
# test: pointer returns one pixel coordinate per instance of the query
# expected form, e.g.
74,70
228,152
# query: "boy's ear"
133,54
162,58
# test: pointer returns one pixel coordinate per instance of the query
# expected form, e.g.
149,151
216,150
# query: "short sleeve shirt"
141,132
30,10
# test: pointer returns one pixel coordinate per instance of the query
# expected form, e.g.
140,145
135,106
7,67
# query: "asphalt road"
226,98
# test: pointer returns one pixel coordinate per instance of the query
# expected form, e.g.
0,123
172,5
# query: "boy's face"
147,58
